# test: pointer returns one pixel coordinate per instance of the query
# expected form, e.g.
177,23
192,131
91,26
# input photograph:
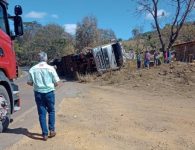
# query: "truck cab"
108,57
9,92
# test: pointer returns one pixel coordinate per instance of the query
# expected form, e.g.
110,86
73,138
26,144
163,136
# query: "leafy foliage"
50,38
87,33
106,35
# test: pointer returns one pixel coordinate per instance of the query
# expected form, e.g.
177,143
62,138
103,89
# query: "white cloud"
55,16
139,8
36,15
149,16
70,28
161,13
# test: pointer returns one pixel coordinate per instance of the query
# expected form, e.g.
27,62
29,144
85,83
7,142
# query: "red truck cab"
9,92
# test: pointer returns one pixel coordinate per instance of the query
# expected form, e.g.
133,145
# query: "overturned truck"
99,59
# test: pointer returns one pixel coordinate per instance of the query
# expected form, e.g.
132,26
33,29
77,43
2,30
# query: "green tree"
50,38
23,45
87,34
105,36
139,43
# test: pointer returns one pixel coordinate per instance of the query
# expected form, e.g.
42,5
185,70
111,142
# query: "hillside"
151,40
169,79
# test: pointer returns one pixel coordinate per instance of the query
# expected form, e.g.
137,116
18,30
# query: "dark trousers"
138,64
46,103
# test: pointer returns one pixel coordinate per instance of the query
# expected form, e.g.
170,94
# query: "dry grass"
176,77
86,78
176,73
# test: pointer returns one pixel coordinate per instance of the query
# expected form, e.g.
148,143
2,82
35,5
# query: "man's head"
43,56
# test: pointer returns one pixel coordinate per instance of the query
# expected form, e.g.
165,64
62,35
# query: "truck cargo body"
99,59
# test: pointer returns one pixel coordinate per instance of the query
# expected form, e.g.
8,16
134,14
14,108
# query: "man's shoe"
45,137
52,134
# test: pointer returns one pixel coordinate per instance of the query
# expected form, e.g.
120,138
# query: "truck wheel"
5,109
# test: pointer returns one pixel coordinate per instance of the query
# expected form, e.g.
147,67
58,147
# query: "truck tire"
5,109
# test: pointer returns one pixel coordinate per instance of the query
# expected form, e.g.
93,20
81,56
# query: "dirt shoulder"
115,118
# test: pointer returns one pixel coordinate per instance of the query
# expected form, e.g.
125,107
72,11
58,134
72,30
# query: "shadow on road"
24,131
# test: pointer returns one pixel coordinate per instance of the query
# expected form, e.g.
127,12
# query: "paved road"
27,116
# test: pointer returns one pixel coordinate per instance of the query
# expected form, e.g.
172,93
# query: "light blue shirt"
43,77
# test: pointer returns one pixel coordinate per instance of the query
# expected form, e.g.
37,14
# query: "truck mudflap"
16,97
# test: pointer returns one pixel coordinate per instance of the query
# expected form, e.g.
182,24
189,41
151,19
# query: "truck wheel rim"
3,108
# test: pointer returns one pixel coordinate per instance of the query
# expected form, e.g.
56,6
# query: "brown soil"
166,80
144,110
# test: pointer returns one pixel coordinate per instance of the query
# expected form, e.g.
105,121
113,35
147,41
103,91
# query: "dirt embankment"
172,79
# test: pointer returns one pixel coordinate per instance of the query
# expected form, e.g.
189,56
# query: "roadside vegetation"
53,39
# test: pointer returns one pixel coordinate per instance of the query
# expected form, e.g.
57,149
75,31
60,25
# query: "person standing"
139,59
156,60
169,56
147,59
165,56
44,79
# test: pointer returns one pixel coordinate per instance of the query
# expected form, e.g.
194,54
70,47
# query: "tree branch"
174,34
155,16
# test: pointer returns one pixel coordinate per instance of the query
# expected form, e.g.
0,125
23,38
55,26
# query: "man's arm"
56,79
30,81
56,84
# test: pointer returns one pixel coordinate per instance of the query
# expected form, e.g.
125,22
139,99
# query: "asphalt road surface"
27,116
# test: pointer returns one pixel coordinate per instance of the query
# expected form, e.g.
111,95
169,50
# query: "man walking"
44,79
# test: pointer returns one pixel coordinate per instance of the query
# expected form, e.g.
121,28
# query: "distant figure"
165,55
44,79
147,59
156,58
131,54
169,56
139,60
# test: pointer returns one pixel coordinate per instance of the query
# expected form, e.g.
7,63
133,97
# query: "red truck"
9,92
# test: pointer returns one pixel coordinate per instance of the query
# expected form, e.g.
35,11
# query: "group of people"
146,57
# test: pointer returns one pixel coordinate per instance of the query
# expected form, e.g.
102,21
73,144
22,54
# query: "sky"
118,15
